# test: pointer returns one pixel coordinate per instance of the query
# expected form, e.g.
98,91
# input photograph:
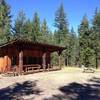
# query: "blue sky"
75,9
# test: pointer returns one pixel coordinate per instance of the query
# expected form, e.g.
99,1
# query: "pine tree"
44,27
61,25
84,42
95,36
62,32
72,47
19,25
5,22
28,30
36,28
45,32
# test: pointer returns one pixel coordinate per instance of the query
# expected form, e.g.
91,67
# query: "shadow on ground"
76,91
18,90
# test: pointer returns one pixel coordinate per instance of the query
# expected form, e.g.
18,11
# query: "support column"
44,61
5,69
59,59
5,66
20,62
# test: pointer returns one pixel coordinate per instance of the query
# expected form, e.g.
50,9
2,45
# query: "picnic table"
85,69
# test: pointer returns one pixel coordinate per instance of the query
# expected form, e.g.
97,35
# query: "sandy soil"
55,85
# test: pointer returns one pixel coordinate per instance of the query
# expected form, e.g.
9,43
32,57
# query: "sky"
74,9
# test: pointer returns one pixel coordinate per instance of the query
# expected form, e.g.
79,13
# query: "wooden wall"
5,63
34,53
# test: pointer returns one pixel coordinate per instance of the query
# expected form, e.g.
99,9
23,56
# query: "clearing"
65,84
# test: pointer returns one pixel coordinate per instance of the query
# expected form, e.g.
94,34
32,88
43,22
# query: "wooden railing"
32,67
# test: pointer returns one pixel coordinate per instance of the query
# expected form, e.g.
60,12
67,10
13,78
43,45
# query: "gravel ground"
55,85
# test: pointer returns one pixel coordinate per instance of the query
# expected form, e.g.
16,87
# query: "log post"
5,69
17,62
20,62
44,61
59,58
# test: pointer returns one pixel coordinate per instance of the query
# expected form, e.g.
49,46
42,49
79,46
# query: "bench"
32,67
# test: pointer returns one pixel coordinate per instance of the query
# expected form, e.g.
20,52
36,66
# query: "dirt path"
56,85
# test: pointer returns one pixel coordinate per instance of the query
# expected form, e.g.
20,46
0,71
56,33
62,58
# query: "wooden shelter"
23,56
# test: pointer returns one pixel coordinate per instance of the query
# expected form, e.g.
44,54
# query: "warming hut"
23,56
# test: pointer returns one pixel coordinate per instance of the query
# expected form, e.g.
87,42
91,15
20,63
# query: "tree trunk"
67,61
96,62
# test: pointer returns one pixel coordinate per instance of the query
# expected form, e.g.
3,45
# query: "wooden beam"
20,62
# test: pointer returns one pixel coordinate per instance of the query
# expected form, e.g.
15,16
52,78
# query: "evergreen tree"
72,47
61,24
19,25
62,32
44,27
95,36
45,32
28,30
5,21
36,28
85,42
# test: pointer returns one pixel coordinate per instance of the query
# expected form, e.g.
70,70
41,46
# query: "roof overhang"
26,44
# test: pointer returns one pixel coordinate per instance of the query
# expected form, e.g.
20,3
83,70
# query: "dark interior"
32,60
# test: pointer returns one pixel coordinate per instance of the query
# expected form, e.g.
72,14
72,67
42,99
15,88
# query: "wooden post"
17,62
20,62
59,58
5,69
44,61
